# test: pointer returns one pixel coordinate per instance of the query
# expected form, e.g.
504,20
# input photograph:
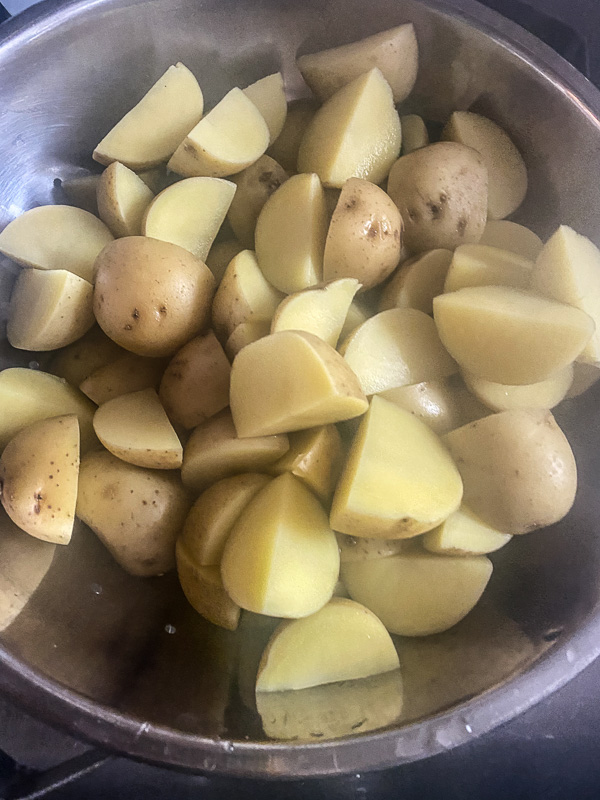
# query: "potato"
482,265
464,534
189,213
214,451
364,239
507,235
27,396
213,515
355,134
517,467
244,295
78,360
49,309
281,557
135,428
509,336
416,593
228,139
507,173
395,348
56,237
126,374
285,148
356,315
320,311
545,394
568,270
123,197
398,480
291,380
137,513
414,133
81,191
219,256
204,590
268,95
340,642
417,282
290,234
151,297
441,191
394,51
243,334
38,478
255,185
195,385
316,457
149,133
357,548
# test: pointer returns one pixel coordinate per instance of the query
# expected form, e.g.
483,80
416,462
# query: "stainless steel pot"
124,662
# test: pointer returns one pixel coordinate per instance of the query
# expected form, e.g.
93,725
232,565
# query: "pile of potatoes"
306,359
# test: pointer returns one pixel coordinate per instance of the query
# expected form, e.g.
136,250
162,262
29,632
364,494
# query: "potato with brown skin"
78,360
364,240
128,373
151,296
255,185
441,191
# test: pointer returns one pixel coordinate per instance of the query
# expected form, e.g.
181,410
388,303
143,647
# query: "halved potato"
414,133
228,139
38,478
285,148
291,380
219,256
204,590
126,374
56,237
255,185
290,234
545,394
81,191
189,213
355,134
417,282
509,336
78,360
507,235
135,428
321,311
151,131
394,51
396,348
243,334
123,197
464,534
49,309
268,95
482,265
214,451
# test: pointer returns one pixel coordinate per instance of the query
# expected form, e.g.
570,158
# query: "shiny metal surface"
126,662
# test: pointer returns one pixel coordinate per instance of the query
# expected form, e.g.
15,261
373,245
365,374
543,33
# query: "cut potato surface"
340,642
508,336
281,557
545,394
135,428
417,282
417,593
56,237
398,480
355,134
511,236
123,197
49,309
396,348
268,95
227,140
39,468
482,265
204,590
414,133
464,534
243,334
254,187
291,380
123,375
149,133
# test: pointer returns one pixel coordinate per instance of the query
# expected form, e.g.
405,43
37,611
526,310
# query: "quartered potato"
78,360
545,394
414,133
122,198
417,282
482,265
507,235
268,95
204,590
464,534
243,334
254,185
285,148
123,375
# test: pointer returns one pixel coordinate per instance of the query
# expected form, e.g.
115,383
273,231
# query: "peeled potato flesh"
123,375
508,235
464,534
268,95
243,334
417,282
482,265
414,133
254,185
123,197
545,394
204,590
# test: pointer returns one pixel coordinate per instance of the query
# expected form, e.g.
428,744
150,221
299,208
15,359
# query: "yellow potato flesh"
356,316
355,134
318,311
464,534
281,557
414,133
291,380
56,237
123,197
268,95
545,394
49,309
38,475
507,235
417,594
568,270
227,140
152,130
285,148
204,590
135,428
243,334
290,234
397,347
482,265
214,451
508,336
340,642
189,213
415,284
398,480
254,187
126,374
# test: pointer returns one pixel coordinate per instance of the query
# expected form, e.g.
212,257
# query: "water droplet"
171,629
34,365
357,775
96,588
468,728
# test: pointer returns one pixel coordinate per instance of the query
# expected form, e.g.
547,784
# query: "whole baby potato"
151,296
442,193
